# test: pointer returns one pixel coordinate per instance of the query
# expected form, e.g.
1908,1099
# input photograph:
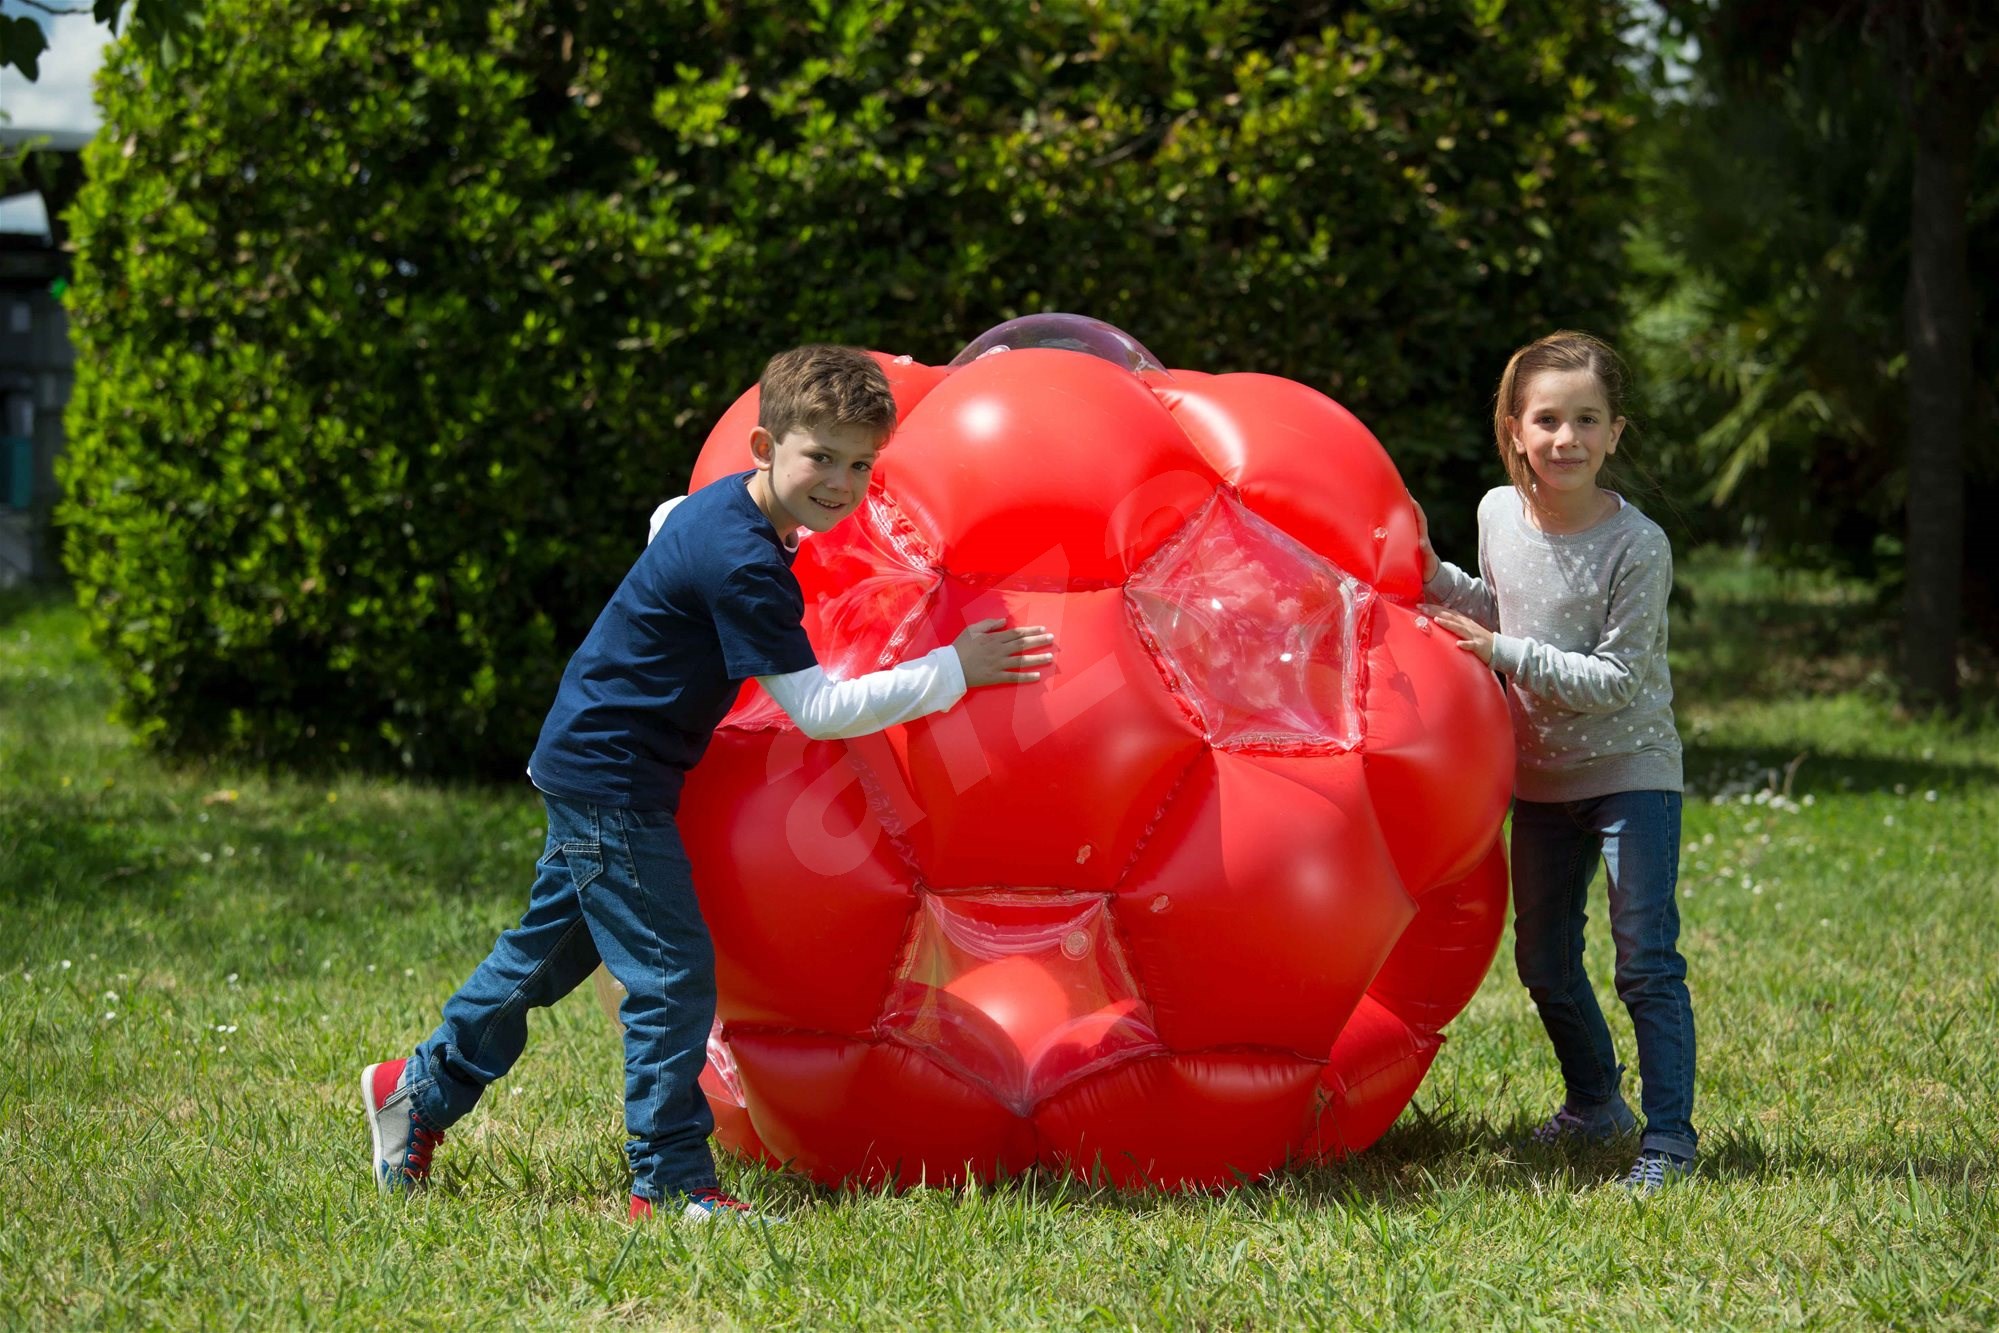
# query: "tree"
1943,56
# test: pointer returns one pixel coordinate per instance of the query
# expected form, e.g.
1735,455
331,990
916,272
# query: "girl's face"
1565,429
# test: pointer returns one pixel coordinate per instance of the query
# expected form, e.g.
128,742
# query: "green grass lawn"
195,963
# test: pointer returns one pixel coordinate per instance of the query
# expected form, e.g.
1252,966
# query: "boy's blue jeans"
612,884
1556,846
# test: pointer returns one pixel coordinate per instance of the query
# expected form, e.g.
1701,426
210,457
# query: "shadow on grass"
1428,1155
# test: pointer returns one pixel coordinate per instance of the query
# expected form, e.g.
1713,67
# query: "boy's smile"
813,477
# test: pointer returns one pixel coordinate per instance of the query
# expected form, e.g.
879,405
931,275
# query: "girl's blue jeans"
1556,846
612,885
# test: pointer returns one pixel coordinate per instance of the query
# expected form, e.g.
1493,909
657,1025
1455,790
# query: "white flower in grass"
409,971
231,978
110,1014
1887,821
1810,799
65,964
111,997
1930,796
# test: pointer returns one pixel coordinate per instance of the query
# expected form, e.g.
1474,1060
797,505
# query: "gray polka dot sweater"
1582,644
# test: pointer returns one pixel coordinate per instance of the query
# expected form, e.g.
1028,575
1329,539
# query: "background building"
35,370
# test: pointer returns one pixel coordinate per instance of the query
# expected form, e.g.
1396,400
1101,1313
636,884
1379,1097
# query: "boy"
710,603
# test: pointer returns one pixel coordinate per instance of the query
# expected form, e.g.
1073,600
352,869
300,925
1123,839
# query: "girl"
1571,609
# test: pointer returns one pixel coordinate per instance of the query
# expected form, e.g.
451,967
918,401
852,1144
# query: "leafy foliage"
1769,273
396,318
159,25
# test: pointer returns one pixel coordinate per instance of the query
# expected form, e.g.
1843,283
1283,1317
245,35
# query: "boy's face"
813,477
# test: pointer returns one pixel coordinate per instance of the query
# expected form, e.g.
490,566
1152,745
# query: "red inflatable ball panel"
1375,1069
1049,785
1437,965
868,591
1309,466
1207,1120
1045,469
1263,903
724,1092
872,1113
1439,747
813,904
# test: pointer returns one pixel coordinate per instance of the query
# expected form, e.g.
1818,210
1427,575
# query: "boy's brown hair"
824,385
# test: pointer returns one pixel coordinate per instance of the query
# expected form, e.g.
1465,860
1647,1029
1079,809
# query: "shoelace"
1648,1173
423,1142
710,1197
1562,1122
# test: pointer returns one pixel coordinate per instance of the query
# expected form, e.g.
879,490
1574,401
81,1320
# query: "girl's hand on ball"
1473,637
1423,547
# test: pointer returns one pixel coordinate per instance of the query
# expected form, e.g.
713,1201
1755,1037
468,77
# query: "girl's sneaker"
703,1205
403,1143
1592,1124
1654,1170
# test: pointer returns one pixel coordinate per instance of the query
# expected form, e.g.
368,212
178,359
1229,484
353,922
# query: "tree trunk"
1943,106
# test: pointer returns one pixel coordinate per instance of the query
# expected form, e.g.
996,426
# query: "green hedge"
394,319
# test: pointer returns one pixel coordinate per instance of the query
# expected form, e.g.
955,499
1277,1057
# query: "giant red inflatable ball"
1196,904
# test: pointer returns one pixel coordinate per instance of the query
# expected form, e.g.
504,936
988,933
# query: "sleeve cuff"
951,668
1508,653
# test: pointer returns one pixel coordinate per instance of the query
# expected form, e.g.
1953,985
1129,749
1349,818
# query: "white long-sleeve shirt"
828,709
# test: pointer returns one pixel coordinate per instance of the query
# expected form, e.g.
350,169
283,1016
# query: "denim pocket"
585,861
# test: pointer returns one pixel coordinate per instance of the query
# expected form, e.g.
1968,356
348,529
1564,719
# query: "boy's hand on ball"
1473,637
993,654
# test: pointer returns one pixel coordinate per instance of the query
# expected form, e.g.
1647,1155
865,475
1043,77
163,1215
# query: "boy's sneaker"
403,1143
1596,1124
703,1205
1654,1170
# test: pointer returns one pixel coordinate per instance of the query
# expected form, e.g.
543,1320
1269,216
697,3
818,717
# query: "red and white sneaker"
403,1143
703,1205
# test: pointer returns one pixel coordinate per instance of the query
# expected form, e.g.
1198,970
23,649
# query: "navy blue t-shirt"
711,603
